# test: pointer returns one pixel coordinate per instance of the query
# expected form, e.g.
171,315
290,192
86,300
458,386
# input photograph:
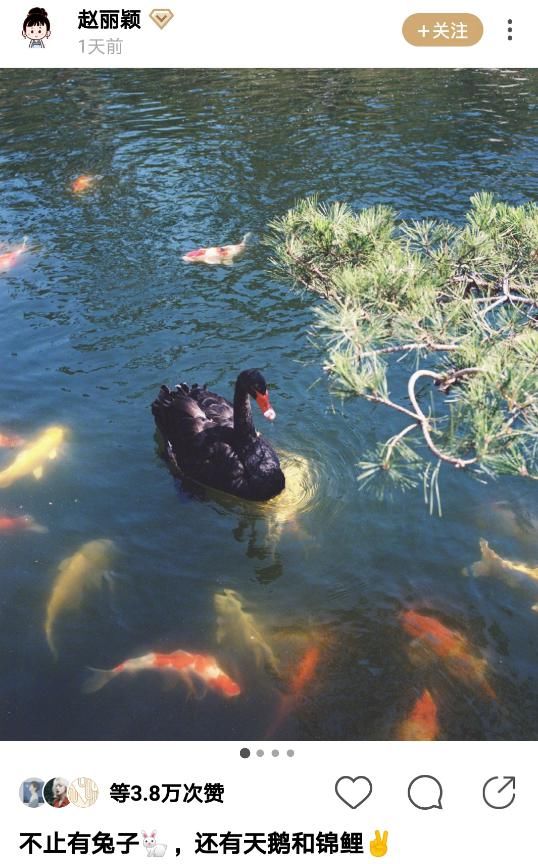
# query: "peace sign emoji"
378,846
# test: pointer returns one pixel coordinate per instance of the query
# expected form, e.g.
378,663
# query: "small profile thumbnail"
31,792
55,792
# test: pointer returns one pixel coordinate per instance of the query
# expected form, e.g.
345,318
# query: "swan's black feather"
216,444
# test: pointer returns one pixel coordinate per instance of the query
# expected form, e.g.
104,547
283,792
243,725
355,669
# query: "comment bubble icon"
425,792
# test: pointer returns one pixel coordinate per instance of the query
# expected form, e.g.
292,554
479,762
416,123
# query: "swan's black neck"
243,424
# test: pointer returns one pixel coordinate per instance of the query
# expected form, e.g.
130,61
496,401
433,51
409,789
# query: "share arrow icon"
499,792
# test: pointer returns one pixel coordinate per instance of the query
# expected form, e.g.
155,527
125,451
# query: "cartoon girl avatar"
36,27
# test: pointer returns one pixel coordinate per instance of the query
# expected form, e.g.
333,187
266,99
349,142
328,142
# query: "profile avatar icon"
55,792
31,792
36,27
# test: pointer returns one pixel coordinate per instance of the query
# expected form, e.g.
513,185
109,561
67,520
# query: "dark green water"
103,311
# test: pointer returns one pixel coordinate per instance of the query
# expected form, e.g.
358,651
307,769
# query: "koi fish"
31,459
216,254
11,441
305,671
432,637
492,564
515,574
9,259
76,574
302,676
9,524
84,182
238,629
516,523
189,667
421,723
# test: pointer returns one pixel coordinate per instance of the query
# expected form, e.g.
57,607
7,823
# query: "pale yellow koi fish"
492,564
516,574
238,629
30,460
76,575
504,519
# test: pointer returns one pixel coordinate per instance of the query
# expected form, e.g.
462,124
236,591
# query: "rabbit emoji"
155,850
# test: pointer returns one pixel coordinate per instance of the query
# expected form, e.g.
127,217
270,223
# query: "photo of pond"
140,605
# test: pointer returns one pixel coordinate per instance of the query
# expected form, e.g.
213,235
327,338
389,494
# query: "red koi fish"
11,440
450,646
84,182
9,259
189,668
421,723
11,524
216,254
302,676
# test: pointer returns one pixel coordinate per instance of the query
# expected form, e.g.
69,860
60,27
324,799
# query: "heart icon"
353,791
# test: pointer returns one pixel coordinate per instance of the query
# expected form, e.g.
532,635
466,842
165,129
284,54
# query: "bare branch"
394,441
423,420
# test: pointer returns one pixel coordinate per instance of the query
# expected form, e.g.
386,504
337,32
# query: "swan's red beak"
265,406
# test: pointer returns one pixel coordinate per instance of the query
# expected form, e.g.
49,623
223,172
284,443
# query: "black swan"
215,443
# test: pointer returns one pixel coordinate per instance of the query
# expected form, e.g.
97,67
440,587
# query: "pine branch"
463,300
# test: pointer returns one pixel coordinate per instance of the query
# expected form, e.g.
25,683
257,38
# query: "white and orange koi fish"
11,441
84,182
9,259
217,254
190,668
11,524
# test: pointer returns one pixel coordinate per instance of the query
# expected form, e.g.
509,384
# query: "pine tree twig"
450,378
393,442
390,404
413,346
328,292
425,423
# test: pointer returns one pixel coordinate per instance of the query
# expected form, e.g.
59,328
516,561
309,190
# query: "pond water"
101,311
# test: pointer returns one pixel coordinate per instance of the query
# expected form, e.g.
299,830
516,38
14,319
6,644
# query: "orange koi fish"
84,182
302,676
10,524
9,259
216,254
189,667
11,440
421,723
450,646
